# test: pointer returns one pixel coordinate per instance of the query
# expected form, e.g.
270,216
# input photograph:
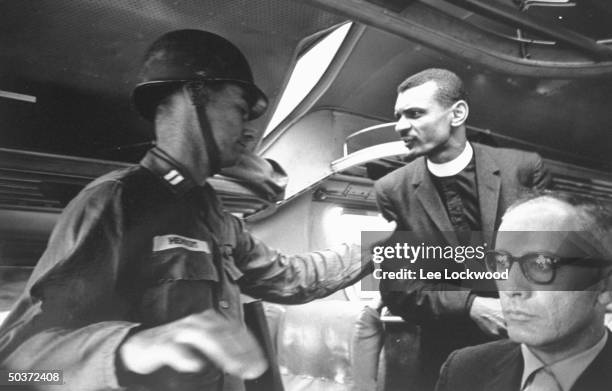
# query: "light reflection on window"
345,226
308,70
3,315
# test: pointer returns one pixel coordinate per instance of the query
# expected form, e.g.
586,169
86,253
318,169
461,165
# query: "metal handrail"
507,14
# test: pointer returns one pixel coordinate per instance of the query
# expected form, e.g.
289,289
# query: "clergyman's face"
546,316
227,110
422,122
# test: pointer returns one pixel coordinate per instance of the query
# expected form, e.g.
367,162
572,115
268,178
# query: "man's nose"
403,126
516,284
250,136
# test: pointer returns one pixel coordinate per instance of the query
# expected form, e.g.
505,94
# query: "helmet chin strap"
212,149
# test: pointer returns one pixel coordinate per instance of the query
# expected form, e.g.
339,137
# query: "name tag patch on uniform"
166,242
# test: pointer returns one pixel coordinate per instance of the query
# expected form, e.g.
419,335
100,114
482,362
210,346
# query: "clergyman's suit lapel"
427,194
488,181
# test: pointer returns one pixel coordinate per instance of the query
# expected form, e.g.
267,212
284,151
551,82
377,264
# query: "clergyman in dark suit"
558,252
450,185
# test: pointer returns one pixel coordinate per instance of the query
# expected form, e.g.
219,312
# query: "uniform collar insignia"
171,172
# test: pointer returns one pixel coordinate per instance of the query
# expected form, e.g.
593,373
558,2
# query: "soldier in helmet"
139,287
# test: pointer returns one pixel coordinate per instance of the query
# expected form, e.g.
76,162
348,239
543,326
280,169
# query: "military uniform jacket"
140,247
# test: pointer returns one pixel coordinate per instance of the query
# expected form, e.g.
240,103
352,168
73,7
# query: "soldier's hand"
487,313
266,177
191,343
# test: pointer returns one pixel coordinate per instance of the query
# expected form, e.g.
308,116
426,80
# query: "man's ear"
605,294
460,113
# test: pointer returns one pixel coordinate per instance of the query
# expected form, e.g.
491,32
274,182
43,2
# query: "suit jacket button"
223,304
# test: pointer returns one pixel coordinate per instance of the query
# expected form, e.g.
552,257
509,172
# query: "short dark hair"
450,86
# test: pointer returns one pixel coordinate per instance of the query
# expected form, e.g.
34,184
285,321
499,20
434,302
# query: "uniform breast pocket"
179,282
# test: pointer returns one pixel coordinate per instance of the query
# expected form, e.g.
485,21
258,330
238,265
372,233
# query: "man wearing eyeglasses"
558,252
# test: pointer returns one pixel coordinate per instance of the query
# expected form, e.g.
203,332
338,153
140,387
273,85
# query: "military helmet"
191,55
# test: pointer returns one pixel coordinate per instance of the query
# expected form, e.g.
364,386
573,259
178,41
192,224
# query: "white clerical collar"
454,166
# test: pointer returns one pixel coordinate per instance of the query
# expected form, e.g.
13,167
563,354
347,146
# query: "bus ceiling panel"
581,16
498,10
81,58
90,44
425,25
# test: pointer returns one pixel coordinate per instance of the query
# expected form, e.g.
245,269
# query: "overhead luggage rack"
31,181
375,151
544,38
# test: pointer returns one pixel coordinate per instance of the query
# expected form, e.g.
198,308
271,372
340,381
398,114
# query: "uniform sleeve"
275,277
63,320
264,176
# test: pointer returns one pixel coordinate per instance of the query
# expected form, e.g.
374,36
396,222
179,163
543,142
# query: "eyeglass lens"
536,267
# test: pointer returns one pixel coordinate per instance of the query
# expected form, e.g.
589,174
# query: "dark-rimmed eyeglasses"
538,267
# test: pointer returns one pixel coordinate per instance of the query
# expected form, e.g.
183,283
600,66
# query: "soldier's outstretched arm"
280,278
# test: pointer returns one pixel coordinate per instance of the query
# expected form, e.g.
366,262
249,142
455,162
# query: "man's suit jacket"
499,366
409,197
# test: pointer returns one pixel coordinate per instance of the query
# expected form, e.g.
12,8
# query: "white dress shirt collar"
566,371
